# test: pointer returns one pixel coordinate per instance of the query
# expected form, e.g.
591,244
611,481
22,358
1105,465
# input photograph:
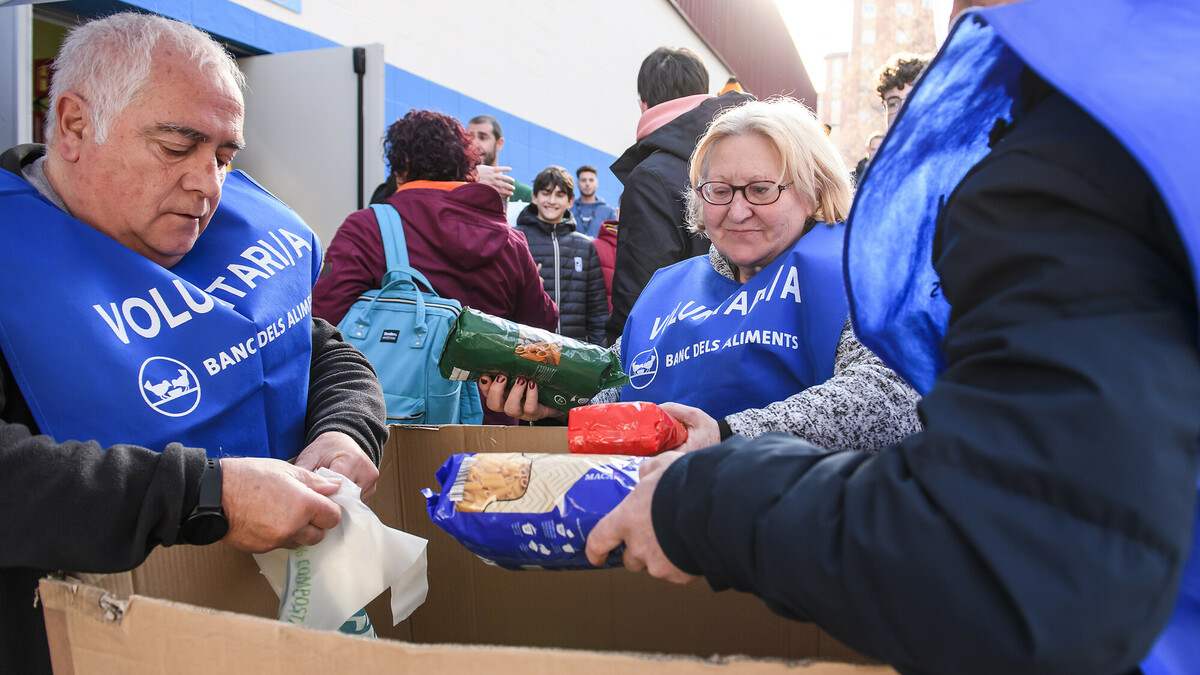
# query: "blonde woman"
755,337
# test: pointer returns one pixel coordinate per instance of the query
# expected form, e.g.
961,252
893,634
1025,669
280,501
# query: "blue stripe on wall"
528,147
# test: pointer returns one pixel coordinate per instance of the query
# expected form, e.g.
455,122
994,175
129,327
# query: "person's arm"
613,394
650,236
94,509
1040,522
78,506
497,178
597,298
346,423
864,406
534,307
354,263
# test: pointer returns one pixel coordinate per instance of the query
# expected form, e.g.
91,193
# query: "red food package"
641,429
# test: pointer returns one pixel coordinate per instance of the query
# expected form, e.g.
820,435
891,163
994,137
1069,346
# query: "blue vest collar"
105,345
701,339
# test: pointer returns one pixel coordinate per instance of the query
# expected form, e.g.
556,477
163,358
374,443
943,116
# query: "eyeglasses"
761,193
892,103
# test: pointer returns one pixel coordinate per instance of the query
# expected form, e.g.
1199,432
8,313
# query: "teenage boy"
569,265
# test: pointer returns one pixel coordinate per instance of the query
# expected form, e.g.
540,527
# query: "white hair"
107,63
810,162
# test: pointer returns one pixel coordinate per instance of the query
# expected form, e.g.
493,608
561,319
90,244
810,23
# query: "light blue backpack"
401,329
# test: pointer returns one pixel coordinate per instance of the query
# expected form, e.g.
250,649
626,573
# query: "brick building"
881,28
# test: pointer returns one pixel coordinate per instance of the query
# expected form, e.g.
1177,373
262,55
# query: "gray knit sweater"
863,406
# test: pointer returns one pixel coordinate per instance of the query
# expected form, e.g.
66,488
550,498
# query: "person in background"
872,146
753,338
672,86
589,210
456,233
732,84
896,78
606,249
485,131
161,416
1043,293
567,260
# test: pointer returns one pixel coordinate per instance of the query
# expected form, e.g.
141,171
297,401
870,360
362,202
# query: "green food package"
568,372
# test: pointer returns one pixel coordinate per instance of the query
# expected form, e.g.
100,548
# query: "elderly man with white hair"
159,359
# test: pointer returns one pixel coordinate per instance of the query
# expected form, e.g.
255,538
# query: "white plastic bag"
322,586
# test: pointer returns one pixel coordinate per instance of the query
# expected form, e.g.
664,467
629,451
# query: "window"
868,10
904,8
901,37
868,36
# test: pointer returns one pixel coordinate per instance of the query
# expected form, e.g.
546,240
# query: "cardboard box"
190,609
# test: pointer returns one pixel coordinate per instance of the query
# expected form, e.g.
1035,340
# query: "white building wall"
570,67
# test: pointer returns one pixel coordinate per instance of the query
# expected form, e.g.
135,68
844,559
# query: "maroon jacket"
459,239
606,248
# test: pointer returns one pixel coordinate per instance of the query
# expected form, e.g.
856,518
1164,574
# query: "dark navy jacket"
571,274
1042,521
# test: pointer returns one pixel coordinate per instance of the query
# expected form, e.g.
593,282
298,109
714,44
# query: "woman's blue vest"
106,345
1134,66
699,338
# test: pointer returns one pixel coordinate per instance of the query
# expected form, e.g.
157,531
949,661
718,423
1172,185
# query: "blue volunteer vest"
1131,64
106,345
699,338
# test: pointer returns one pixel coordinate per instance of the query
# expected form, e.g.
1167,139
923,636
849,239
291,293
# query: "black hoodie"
651,234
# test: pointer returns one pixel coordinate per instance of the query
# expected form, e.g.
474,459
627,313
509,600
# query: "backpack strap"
392,230
395,250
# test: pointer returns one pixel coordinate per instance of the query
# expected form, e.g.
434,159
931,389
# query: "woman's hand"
702,429
521,402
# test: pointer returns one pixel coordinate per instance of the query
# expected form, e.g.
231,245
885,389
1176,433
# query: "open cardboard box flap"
190,609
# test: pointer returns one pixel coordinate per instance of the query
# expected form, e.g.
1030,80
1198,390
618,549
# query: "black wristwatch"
207,523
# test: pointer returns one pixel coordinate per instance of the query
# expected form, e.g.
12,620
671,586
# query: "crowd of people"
984,358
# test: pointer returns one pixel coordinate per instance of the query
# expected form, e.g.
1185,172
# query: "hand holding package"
322,586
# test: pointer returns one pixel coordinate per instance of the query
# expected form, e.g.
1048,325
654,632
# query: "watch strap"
207,523
210,486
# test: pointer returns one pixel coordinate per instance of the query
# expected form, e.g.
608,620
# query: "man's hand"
702,429
272,504
630,523
521,402
339,452
496,177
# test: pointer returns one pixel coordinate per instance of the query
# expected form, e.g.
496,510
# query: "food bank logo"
643,368
168,386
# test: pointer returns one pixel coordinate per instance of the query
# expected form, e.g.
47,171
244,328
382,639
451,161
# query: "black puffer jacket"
571,274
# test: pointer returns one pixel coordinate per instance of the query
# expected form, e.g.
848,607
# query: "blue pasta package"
530,510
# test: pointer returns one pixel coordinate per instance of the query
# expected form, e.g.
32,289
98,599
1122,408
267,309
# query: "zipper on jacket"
557,301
